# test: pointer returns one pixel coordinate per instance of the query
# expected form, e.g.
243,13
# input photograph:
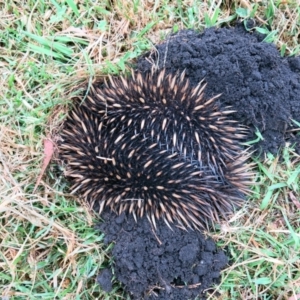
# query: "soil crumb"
260,85
162,264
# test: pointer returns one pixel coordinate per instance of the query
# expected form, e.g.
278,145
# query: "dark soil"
262,86
264,89
105,280
166,265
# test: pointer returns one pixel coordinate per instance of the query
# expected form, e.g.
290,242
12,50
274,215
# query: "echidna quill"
153,145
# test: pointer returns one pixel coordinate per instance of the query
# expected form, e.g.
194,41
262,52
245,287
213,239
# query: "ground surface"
165,265
262,86
49,248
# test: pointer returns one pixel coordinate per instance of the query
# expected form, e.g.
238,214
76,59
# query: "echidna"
153,145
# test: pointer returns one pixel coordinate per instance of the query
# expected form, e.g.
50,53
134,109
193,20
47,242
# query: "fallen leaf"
48,152
294,199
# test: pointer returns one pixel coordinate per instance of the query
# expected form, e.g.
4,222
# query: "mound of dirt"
164,264
264,89
262,86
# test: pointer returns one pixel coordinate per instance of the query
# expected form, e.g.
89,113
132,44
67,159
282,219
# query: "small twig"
191,286
292,130
166,52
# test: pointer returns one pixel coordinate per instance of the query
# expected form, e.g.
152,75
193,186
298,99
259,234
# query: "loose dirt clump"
161,264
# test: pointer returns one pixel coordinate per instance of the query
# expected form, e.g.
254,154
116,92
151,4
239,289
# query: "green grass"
48,247
263,238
